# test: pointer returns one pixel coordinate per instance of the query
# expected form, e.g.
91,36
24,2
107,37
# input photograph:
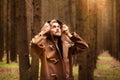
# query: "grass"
8,76
103,67
9,71
109,74
75,72
102,72
105,58
107,69
11,65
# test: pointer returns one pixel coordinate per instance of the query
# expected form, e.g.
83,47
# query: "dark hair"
59,22
55,21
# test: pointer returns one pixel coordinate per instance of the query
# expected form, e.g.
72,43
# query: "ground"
108,68
9,71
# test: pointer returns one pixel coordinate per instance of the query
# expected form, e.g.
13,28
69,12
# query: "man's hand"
45,29
65,30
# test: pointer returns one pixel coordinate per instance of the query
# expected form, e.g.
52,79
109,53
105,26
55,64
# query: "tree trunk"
81,21
1,32
13,54
5,23
86,26
22,40
92,39
35,29
8,28
118,28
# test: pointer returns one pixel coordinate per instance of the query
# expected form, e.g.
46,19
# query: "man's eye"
54,26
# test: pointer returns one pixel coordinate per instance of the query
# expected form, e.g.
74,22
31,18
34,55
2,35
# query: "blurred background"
96,21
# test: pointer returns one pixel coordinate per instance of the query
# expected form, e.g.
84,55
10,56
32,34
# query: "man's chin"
57,34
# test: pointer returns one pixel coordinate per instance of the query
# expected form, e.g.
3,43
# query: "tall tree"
13,54
1,31
115,33
5,20
92,39
117,13
35,30
100,5
86,26
8,27
81,21
22,40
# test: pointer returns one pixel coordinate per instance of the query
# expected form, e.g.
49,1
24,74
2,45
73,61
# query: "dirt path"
108,68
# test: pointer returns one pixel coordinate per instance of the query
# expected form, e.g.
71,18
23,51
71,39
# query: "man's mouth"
57,32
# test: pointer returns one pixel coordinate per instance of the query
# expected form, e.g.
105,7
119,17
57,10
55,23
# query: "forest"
96,21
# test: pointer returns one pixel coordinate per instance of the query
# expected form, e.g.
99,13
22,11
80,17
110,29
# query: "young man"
55,46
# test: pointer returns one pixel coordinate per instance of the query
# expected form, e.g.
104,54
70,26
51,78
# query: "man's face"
55,29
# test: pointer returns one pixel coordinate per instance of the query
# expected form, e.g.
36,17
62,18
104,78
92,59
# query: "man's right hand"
45,29
65,30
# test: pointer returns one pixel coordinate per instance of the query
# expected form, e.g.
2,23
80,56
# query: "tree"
116,28
86,26
81,25
92,39
13,54
7,28
1,31
35,28
22,40
117,25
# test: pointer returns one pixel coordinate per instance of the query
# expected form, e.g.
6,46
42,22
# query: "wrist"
69,34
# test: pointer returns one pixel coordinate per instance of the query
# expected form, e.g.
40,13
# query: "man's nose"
58,29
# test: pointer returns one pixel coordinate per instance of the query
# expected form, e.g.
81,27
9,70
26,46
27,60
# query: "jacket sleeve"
79,44
36,44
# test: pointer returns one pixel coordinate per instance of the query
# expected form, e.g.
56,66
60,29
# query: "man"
55,46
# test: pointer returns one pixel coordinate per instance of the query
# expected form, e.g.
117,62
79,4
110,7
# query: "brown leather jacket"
56,62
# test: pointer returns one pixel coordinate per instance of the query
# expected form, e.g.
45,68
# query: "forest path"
108,68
